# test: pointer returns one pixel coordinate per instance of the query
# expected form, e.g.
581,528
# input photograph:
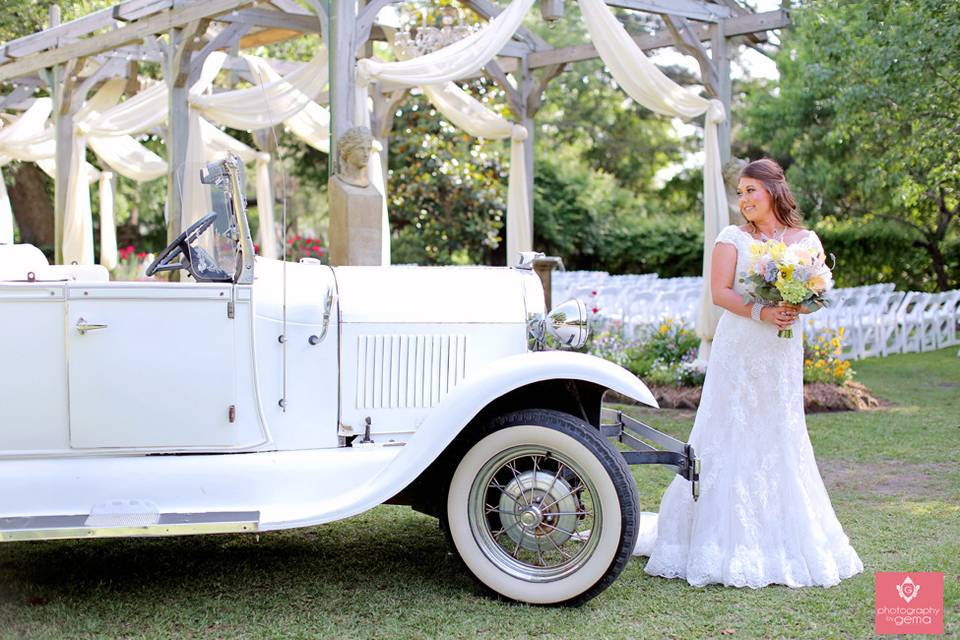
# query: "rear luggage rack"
675,454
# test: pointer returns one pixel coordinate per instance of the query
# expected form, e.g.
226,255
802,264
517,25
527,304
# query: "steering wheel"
180,246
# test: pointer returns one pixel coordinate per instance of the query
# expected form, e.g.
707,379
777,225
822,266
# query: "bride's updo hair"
771,175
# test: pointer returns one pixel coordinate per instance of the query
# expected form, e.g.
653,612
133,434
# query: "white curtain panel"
6,214
128,157
108,227
274,100
77,216
29,137
148,109
22,138
268,229
312,123
443,65
646,84
454,61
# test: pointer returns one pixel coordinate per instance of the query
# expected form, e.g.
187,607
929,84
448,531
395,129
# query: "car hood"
431,294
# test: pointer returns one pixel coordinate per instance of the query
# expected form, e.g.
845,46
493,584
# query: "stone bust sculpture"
353,150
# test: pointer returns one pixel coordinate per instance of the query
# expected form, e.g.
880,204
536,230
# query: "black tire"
522,476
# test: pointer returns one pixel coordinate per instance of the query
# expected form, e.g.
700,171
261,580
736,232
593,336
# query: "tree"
866,116
447,190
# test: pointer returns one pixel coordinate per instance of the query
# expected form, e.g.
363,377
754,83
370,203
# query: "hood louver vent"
408,372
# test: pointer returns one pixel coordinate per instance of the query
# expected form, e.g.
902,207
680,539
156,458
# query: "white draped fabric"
454,61
6,214
108,226
77,217
22,139
312,123
110,136
646,84
273,100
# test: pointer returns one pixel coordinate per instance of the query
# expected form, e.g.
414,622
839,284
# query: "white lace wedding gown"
764,516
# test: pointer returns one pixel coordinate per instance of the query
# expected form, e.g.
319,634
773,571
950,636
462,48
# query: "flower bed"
664,357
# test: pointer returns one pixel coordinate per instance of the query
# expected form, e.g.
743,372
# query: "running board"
677,455
129,525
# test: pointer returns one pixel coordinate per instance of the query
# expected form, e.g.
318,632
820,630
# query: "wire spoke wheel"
541,508
533,512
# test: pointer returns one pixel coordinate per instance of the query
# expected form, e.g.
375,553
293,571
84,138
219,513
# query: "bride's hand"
782,316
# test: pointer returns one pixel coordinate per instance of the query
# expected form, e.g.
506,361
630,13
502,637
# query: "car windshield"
220,240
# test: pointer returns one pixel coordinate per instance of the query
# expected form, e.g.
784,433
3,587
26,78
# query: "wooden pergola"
73,58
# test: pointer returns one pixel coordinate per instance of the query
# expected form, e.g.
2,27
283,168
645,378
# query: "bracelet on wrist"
755,311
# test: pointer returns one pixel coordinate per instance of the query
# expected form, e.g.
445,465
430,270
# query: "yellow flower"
757,250
807,362
663,329
777,249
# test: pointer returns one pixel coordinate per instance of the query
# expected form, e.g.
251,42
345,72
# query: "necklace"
776,237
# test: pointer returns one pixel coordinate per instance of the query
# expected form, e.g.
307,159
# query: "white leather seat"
25,262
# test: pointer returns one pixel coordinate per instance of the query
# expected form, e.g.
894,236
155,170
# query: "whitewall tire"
542,509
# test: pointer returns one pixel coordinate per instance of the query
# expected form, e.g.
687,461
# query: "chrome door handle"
83,326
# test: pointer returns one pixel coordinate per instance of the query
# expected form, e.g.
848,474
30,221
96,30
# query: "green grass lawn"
892,474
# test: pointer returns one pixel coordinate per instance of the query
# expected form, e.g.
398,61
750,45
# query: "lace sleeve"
728,234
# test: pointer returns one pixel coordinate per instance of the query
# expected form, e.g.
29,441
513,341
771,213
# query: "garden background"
863,117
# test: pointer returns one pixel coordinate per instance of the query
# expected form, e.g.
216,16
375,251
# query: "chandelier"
426,38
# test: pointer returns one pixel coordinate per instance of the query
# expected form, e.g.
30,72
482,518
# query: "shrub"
663,355
131,264
300,246
821,358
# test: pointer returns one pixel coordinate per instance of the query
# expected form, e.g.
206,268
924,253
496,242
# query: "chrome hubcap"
535,514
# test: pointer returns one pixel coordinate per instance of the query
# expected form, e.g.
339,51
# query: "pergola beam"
303,22
488,10
54,36
739,26
134,31
692,9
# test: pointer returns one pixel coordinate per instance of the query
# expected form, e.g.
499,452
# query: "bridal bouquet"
779,273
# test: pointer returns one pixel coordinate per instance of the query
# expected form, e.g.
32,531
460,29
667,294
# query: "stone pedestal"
356,224
544,267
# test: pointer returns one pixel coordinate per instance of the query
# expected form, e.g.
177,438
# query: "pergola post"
178,131
183,42
528,87
720,56
63,128
343,22
381,121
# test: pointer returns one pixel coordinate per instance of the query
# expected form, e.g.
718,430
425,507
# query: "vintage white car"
254,395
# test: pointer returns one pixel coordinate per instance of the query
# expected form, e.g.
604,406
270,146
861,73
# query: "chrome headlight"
567,324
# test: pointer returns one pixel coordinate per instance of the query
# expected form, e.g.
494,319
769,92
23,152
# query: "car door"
152,366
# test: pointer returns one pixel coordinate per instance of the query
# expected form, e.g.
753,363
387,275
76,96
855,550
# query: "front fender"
462,405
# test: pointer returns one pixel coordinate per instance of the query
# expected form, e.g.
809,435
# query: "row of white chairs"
881,322
877,320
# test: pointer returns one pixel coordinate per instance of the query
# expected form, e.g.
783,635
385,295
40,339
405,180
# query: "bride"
764,516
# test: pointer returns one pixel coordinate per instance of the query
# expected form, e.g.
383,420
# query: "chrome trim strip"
169,524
